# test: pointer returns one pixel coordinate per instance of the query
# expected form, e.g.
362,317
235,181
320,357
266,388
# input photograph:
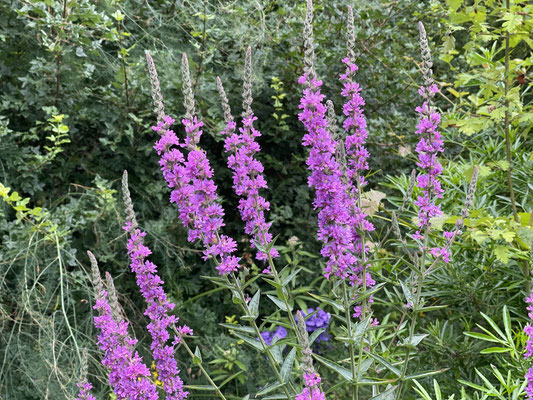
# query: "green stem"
415,313
506,127
349,326
245,308
217,389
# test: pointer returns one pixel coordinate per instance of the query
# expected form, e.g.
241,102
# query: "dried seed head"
157,97
84,365
116,310
188,95
351,35
225,102
95,276
412,180
395,225
309,50
426,56
130,214
332,120
247,98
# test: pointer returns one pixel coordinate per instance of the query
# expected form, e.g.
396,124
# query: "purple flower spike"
247,180
84,391
248,176
428,149
158,311
194,192
128,375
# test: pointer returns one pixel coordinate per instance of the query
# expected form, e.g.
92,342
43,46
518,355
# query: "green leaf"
269,388
386,395
247,329
491,350
512,21
280,304
415,340
251,341
336,305
454,4
199,387
197,358
254,304
385,363
286,368
346,374
424,374
502,253
315,334
482,336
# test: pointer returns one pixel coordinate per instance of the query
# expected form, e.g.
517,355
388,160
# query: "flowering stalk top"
356,162
128,375
428,149
247,170
194,191
339,218
158,307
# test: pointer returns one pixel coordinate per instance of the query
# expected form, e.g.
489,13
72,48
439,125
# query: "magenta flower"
194,191
128,375
84,388
428,149
158,311
247,180
311,390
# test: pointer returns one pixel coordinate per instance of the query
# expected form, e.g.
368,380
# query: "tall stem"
414,318
506,127
348,317
246,309
217,389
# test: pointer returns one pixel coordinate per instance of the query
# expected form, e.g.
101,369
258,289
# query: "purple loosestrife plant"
529,347
356,163
158,307
247,170
128,375
428,149
332,198
195,194
193,189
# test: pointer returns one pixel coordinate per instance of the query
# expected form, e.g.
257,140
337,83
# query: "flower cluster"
84,388
247,180
332,194
529,347
194,191
128,375
320,320
311,390
428,149
279,333
357,162
158,311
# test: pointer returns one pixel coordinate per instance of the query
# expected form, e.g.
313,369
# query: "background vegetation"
75,111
